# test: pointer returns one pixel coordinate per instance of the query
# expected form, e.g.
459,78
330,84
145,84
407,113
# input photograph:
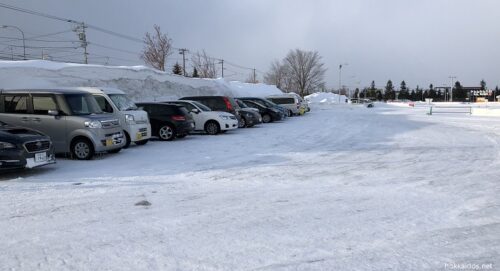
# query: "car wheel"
142,142
127,140
242,123
290,113
266,118
82,149
212,128
166,132
115,150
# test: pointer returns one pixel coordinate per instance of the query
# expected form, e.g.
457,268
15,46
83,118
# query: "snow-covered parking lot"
341,188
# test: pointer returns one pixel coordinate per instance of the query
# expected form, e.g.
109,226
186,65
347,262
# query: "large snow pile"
253,90
325,98
140,82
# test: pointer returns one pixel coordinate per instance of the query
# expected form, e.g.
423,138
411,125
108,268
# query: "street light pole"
22,33
451,89
340,77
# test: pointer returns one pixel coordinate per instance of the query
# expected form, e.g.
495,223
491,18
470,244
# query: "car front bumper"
20,158
139,132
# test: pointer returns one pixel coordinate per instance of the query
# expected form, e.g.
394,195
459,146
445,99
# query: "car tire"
82,149
242,123
166,132
116,150
142,142
266,118
212,127
127,140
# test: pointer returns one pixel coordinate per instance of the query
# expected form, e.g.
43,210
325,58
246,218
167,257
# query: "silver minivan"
71,118
135,122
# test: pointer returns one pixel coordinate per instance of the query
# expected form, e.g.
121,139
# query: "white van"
290,101
135,122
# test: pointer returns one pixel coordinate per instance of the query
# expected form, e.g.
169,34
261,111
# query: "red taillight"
228,104
178,118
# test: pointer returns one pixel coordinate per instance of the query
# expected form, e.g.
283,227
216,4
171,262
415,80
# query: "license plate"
138,136
109,142
40,157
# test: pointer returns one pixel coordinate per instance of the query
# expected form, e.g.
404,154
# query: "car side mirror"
54,113
195,110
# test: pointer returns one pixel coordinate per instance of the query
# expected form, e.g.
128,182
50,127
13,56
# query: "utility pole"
22,33
451,89
80,30
183,53
221,61
340,78
254,77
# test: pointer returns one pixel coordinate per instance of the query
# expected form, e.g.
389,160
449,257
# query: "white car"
212,122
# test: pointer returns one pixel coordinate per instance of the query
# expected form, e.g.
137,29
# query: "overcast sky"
419,41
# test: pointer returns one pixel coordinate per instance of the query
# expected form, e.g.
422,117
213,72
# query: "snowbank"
325,98
254,90
140,82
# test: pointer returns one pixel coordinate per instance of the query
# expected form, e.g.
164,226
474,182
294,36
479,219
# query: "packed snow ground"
345,188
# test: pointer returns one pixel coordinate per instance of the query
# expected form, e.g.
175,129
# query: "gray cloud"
421,42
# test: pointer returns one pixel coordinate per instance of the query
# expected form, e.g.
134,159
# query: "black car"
269,114
267,103
24,148
168,121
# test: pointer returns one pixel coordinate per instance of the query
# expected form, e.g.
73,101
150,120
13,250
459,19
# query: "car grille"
110,123
37,146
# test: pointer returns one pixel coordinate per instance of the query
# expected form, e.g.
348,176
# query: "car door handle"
37,119
25,119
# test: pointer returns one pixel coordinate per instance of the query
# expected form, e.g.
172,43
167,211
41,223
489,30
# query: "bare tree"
252,78
204,64
276,75
305,70
157,48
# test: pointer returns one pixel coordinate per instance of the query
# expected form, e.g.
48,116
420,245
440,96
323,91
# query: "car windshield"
122,102
202,106
241,104
83,104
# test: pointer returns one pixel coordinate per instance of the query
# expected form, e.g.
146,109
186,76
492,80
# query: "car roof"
99,90
157,103
46,91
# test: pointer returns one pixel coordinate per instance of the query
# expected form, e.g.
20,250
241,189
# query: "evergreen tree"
459,94
413,95
379,96
419,94
177,69
389,91
431,93
483,84
195,73
403,91
372,86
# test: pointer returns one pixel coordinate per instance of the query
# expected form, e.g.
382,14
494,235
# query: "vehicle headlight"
224,117
93,124
129,119
6,145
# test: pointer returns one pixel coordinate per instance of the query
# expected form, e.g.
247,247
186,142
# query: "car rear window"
282,100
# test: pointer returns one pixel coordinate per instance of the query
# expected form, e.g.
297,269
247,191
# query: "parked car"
290,101
24,148
251,116
168,121
266,103
212,122
269,114
71,118
227,104
135,122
